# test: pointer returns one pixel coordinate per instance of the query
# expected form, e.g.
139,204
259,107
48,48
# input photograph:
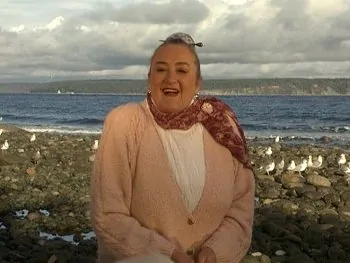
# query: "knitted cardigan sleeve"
111,189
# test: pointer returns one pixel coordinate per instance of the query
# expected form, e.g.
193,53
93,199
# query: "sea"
293,118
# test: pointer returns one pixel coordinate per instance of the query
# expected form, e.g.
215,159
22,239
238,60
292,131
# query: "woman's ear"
198,84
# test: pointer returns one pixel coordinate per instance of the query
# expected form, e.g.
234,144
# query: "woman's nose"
171,76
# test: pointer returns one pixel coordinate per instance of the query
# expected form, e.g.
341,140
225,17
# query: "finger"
201,259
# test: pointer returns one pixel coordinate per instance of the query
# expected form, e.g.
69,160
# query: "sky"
48,40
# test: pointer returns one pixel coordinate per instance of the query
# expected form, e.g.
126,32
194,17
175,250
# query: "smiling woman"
172,174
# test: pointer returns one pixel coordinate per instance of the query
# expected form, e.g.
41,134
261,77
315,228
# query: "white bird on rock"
270,167
291,166
309,161
318,163
94,147
5,145
36,157
268,151
280,165
346,168
33,138
341,160
301,167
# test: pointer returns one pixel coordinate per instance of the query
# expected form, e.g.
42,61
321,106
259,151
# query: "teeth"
170,90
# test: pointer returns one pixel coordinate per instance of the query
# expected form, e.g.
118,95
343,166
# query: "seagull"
5,145
268,151
270,167
1,131
309,162
94,146
318,162
277,139
36,157
346,168
280,165
301,167
33,138
291,166
342,159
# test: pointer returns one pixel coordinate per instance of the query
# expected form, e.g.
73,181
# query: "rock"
313,195
250,259
318,180
305,188
271,193
325,190
291,180
31,171
345,195
264,259
326,139
332,199
92,158
33,216
299,258
280,253
336,252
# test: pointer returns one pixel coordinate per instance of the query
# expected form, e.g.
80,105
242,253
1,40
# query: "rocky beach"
302,214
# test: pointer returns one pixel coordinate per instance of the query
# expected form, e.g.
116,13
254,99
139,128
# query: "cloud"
251,38
172,12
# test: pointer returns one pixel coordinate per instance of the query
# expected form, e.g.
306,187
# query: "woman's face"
173,79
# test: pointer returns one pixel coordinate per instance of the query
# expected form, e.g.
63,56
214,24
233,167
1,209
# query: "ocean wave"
26,117
62,130
296,128
250,134
81,121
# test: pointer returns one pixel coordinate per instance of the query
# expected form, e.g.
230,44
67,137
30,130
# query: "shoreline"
327,141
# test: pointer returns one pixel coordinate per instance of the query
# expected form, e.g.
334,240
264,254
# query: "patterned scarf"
214,115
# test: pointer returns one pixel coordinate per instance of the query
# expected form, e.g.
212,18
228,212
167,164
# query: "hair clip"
186,38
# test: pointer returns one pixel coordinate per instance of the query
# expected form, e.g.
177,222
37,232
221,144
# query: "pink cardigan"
137,208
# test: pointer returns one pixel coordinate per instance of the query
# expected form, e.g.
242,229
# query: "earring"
197,95
148,92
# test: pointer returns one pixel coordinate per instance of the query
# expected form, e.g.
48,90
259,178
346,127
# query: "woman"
172,173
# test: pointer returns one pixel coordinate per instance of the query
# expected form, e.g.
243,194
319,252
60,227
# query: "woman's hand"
206,255
179,256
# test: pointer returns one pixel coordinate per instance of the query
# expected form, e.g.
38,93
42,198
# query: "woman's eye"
182,71
160,70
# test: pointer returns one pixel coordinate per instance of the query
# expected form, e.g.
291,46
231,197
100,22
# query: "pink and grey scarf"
214,115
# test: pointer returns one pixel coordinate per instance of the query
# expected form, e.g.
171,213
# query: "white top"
185,152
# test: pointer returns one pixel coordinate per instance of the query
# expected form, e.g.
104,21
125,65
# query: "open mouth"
170,92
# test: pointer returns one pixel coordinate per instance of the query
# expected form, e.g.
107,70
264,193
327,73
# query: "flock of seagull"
343,164
5,146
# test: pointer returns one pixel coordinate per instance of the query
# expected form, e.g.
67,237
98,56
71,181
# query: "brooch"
207,107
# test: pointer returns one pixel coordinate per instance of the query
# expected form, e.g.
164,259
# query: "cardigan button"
190,221
190,252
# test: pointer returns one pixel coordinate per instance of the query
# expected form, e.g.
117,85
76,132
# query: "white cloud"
41,40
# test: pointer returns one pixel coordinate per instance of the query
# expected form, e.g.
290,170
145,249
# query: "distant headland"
256,86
